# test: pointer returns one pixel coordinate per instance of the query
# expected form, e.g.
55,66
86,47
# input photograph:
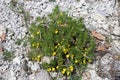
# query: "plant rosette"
63,38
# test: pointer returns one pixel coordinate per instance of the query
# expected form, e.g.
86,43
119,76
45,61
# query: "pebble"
100,15
35,67
16,60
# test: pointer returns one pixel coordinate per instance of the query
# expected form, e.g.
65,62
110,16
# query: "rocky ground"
102,17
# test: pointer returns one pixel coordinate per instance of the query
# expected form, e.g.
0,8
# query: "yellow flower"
67,56
33,45
33,58
32,36
63,39
86,52
68,45
38,44
61,25
85,49
72,56
84,55
76,47
55,47
61,13
65,50
38,58
38,32
63,71
76,61
84,61
54,53
49,69
71,68
57,67
89,60
56,31
68,73
58,44
58,22
53,69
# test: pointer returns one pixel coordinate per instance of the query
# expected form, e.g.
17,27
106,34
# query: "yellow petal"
89,60
55,47
56,31
63,72
54,53
76,61
38,32
84,61
68,73
57,67
84,55
65,50
68,45
71,68
33,58
67,56
32,36
58,44
72,56
33,45
64,69
49,69
38,44
36,59
53,69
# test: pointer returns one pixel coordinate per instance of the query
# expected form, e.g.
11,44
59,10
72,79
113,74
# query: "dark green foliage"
64,38
8,55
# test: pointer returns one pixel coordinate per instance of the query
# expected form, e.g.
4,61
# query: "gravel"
99,15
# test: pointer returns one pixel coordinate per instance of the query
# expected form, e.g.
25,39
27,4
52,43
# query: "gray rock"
35,67
101,15
42,75
16,60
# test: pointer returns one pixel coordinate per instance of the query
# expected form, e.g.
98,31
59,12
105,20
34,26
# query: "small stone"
116,31
101,48
106,59
42,75
46,59
16,60
53,74
97,35
35,67
116,57
116,45
12,78
87,75
98,17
